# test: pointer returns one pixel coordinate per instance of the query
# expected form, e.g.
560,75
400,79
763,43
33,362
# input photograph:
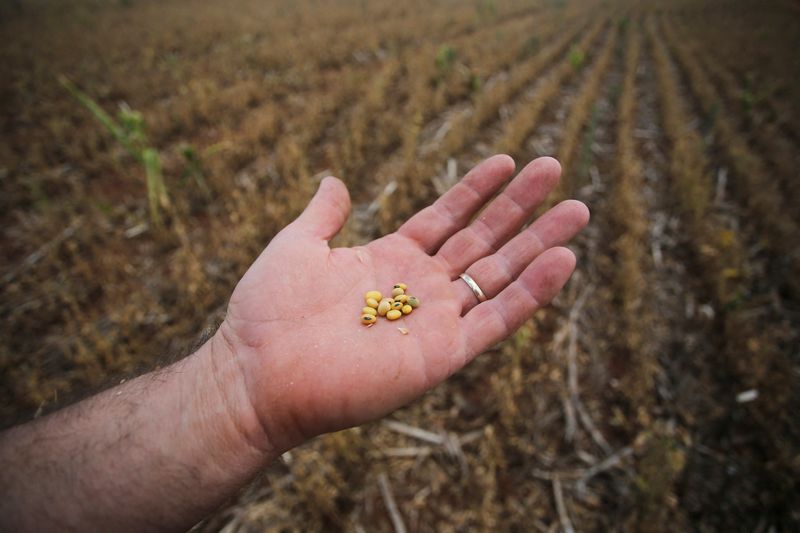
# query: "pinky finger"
494,320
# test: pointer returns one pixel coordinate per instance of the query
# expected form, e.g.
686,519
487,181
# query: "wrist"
270,403
240,435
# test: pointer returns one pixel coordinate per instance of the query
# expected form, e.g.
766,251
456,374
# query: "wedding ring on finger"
476,290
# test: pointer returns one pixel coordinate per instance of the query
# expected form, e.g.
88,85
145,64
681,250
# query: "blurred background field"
658,392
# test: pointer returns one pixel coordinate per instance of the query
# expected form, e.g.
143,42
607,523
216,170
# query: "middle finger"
502,218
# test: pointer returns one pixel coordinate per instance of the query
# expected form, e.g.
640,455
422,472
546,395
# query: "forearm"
156,453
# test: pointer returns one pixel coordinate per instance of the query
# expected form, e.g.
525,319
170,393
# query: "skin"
292,360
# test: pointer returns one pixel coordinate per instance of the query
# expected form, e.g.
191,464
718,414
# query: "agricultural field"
150,150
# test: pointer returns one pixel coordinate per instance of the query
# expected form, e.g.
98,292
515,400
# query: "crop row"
756,188
748,41
467,125
629,226
748,354
581,109
690,171
764,125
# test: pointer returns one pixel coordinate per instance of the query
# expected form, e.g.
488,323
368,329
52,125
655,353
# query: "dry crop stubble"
415,166
521,125
421,94
468,126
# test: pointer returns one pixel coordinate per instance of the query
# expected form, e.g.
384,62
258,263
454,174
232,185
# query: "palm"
294,317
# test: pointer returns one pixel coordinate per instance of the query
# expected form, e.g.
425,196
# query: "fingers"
327,211
502,218
451,212
495,272
497,318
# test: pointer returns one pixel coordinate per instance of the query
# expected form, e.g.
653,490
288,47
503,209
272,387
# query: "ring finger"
494,272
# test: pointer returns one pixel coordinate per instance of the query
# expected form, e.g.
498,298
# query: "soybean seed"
407,309
398,291
375,295
413,301
400,286
402,298
384,307
367,319
397,305
368,311
372,302
394,314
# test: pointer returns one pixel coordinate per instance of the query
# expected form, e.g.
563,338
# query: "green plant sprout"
445,59
128,129
194,168
576,57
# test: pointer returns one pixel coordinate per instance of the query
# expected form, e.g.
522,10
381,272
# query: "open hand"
293,324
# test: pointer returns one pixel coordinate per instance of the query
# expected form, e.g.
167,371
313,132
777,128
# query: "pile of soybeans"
392,308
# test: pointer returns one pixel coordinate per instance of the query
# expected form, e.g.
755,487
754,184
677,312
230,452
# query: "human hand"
309,365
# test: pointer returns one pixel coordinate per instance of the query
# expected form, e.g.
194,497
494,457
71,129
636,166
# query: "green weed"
194,168
487,10
445,59
129,130
577,57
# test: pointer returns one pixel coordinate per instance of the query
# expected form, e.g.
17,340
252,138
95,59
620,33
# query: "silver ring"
474,286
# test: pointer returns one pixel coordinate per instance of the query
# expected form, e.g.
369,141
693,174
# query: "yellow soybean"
402,298
367,319
413,301
372,302
398,291
384,307
368,311
394,314
407,309
397,305
400,286
375,295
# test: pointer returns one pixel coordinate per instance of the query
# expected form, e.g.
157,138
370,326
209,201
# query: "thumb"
327,211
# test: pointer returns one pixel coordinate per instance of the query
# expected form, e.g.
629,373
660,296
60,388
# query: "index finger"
453,210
